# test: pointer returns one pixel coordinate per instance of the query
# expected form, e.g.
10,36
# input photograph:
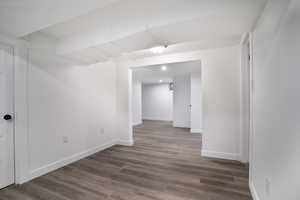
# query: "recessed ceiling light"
164,68
159,49
160,81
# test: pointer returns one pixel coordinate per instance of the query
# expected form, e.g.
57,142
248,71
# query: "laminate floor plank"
165,163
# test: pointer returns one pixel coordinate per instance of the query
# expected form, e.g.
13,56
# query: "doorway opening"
168,93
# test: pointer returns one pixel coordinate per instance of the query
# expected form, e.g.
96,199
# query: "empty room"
149,100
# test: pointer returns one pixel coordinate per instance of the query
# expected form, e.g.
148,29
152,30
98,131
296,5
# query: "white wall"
221,103
86,99
71,113
52,103
182,101
196,102
276,139
157,102
221,97
136,102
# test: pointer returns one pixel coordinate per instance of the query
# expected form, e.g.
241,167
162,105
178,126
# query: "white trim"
20,105
245,85
126,142
156,119
222,155
9,90
179,126
21,115
137,123
66,161
130,128
253,191
251,133
194,130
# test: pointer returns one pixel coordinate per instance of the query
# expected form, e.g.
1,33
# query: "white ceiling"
98,30
152,74
22,17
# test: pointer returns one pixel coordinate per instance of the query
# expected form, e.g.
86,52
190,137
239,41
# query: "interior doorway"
7,169
168,92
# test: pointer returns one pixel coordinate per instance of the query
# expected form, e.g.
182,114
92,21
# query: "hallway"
164,164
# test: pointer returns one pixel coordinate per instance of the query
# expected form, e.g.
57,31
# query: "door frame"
251,136
12,51
20,101
247,62
139,64
245,92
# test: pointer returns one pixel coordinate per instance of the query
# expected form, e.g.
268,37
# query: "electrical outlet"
65,139
102,131
267,186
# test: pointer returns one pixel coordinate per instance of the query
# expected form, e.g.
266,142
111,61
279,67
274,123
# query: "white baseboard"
125,142
66,161
136,123
222,155
196,130
156,119
253,191
63,162
180,126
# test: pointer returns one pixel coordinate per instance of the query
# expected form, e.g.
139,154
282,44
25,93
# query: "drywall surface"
276,139
196,103
157,102
182,101
221,103
71,113
221,97
136,102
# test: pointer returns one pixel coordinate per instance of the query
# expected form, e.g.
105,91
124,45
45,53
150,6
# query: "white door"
6,117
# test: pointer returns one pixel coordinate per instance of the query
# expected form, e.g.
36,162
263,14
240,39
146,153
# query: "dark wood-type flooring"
164,164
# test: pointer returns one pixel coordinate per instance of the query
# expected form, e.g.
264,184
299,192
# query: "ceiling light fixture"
164,68
158,49
160,81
